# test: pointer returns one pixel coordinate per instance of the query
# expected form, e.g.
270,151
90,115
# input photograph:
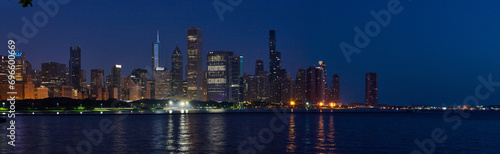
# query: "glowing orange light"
331,104
320,103
292,103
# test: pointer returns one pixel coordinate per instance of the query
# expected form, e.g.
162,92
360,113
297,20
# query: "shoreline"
218,111
204,111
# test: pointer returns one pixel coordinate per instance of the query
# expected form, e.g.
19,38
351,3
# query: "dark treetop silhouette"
25,3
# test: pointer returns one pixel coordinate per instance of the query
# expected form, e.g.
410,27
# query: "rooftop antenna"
158,36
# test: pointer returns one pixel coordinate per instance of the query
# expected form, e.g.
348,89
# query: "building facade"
116,82
155,55
371,89
75,67
218,75
97,84
162,81
177,75
194,67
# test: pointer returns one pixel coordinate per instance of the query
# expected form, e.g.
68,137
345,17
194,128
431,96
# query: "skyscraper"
322,65
277,75
53,74
75,67
300,85
140,77
116,77
335,89
97,78
53,77
195,64
97,83
83,80
219,75
177,76
315,85
235,78
259,67
20,67
162,86
274,56
155,58
371,89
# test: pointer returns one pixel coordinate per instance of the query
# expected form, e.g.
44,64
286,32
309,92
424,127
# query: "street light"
292,103
3,104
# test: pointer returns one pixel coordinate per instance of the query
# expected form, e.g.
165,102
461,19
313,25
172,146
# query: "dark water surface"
224,133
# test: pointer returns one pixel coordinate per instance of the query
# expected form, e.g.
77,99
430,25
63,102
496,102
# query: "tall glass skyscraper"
274,56
195,64
75,67
155,59
177,76
371,89
276,73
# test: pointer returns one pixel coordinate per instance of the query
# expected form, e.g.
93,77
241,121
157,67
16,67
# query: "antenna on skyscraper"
158,36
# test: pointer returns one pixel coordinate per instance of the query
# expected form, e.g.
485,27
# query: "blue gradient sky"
432,49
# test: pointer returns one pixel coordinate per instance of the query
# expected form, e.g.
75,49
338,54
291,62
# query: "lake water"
230,133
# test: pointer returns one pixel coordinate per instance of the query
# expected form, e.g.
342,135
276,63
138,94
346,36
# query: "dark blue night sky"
431,50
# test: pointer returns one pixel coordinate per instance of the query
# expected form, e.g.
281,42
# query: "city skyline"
417,55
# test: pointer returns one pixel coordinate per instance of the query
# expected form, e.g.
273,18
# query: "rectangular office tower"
371,89
236,79
97,84
194,64
162,87
75,67
116,79
224,75
335,89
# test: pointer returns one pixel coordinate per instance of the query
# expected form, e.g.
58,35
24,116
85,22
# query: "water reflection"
216,133
331,135
325,137
184,135
291,136
170,134
119,134
320,135
158,128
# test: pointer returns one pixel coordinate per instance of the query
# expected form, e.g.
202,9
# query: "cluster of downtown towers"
223,79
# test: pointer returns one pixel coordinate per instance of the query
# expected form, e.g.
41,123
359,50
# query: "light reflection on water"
222,133
320,135
291,136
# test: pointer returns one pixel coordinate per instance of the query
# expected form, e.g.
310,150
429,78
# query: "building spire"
158,36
